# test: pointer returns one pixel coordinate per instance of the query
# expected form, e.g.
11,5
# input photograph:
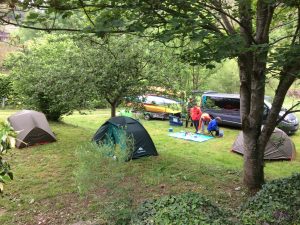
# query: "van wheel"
147,117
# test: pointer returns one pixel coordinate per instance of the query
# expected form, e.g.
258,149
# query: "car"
227,106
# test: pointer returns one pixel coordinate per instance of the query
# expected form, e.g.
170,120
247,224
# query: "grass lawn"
45,191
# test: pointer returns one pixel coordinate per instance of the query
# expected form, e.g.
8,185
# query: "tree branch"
298,27
280,39
85,12
289,111
264,17
39,28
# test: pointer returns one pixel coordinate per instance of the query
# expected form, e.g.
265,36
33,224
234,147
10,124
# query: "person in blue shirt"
213,126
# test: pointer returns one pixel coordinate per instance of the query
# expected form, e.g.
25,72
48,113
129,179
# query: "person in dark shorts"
196,115
188,109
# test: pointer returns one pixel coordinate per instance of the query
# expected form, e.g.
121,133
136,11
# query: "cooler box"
175,121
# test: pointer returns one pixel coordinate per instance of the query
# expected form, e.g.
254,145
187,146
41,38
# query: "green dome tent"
113,128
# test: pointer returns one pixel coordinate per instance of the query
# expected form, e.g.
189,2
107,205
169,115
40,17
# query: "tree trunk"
3,102
252,104
252,66
251,99
113,109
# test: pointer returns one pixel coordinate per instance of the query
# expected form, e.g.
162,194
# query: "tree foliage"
59,73
48,74
126,67
120,67
5,85
7,142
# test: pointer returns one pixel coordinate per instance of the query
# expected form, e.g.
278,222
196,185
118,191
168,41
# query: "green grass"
47,174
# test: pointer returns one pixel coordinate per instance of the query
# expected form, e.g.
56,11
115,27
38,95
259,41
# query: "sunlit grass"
46,173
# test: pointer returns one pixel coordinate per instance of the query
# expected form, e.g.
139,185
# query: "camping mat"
190,136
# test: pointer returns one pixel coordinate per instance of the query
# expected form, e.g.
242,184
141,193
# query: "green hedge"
188,208
277,203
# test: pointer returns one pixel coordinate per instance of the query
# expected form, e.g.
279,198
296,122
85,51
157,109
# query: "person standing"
196,115
188,109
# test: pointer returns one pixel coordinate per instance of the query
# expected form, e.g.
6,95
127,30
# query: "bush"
277,203
102,166
7,142
188,208
50,76
94,163
5,86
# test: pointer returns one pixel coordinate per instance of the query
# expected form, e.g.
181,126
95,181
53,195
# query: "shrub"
277,203
94,163
188,208
7,142
102,166
5,86
50,76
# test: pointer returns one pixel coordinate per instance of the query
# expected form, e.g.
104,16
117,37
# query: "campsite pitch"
190,136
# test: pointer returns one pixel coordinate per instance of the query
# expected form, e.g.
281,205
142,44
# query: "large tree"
262,35
121,66
47,74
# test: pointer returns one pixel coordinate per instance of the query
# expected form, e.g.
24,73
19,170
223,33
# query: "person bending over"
204,120
213,126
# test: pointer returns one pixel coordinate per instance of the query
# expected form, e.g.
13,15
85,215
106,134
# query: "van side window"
231,104
221,103
210,102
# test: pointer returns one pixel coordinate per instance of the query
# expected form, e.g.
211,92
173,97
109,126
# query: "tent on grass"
112,128
32,128
279,147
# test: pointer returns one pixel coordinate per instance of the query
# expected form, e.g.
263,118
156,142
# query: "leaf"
1,188
32,16
11,175
12,141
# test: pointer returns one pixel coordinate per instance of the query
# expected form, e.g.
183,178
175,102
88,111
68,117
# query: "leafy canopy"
5,85
49,75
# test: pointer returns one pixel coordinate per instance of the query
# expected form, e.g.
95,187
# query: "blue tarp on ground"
190,136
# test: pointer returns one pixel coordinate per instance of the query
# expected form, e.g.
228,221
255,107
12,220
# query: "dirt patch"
64,209
2,212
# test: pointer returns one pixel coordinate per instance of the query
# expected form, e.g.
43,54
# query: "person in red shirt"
196,115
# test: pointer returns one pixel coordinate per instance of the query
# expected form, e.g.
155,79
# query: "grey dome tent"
32,128
279,147
143,144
